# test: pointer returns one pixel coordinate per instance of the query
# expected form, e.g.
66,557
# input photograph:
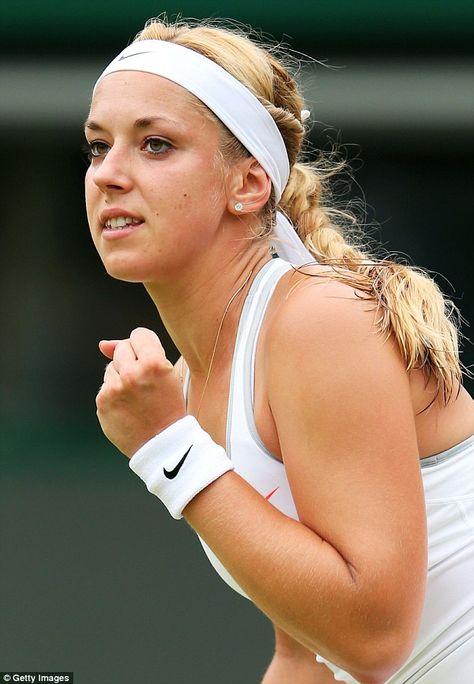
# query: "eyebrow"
140,124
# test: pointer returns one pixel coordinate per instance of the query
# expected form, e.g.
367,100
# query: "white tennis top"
444,650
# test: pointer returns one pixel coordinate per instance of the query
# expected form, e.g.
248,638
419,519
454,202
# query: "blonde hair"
411,306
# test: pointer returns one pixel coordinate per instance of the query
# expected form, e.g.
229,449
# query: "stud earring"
238,206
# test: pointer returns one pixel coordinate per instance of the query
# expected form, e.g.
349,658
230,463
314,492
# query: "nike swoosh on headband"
143,52
171,474
235,105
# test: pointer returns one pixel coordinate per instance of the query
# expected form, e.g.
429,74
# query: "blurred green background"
95,577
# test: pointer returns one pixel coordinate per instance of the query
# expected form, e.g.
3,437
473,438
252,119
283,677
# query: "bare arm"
336,581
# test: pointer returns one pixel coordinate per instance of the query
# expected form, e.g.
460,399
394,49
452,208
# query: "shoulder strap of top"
240,410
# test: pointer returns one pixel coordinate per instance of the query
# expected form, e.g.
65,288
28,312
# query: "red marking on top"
271,493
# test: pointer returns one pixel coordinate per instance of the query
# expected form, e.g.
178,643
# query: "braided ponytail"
411,306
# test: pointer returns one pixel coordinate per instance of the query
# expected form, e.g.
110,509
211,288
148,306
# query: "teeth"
119,222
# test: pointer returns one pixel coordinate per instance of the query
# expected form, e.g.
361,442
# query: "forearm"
297,579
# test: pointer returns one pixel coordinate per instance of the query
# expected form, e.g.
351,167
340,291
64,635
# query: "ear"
250,188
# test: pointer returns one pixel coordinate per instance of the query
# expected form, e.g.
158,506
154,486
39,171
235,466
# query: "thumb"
107,347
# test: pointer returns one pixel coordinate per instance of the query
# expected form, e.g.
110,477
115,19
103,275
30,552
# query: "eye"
96,148
156,145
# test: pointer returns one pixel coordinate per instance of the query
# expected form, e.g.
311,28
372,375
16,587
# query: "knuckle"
145,335
156,369
138,332
113,393
119,346
107,370
150,366
107,394
100,401
128,378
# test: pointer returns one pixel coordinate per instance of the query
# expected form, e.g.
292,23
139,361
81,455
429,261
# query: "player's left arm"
348,580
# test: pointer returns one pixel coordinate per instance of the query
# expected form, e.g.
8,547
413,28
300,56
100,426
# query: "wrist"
180,462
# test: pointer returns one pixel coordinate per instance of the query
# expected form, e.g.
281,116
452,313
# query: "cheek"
202,207
206,194
92,194
88,190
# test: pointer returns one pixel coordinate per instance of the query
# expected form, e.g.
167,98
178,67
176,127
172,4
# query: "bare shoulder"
325,357
322,315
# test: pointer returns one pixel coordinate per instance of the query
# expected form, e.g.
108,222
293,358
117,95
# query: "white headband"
233,104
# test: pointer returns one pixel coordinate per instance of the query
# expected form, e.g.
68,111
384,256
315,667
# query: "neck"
201,308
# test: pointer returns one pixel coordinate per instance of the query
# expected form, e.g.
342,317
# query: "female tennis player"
322,448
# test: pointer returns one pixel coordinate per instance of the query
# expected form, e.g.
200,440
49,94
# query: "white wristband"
179,463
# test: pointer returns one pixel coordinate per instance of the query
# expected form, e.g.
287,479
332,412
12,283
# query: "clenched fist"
141,394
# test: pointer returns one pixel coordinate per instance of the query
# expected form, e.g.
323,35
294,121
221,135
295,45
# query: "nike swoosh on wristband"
171,474
143,52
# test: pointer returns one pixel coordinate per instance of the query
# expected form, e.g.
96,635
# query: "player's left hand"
141,394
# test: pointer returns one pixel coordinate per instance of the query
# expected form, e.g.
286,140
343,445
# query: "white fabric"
186,443
288,245
444,644
249,456
234,105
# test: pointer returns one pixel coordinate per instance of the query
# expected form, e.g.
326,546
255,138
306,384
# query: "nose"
112,174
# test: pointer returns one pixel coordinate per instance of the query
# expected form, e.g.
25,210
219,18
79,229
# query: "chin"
125,271
125,278
131,269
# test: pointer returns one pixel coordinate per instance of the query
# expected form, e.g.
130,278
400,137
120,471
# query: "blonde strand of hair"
411,306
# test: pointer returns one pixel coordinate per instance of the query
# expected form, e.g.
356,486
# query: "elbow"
383,634
371,658
373,648
379,663
379,656
372,629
